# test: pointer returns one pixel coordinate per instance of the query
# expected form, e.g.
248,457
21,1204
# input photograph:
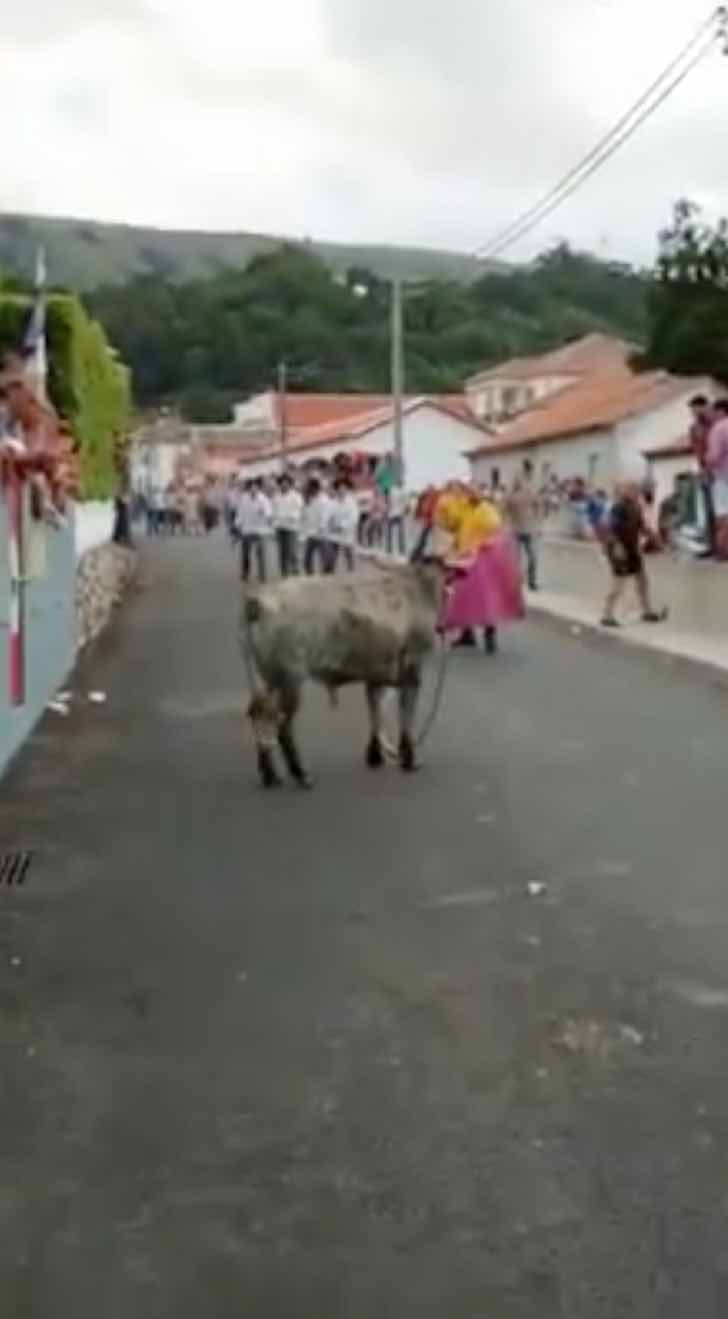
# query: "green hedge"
87,384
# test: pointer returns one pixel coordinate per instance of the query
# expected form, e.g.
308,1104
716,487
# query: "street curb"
595,635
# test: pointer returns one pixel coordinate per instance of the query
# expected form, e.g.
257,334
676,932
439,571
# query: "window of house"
593,466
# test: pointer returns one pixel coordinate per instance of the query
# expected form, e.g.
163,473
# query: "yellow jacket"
471,525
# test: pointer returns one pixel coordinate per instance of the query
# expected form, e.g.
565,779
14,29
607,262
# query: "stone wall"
103,575
94,524
696,592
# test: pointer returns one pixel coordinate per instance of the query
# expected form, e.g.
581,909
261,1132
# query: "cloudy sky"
430,122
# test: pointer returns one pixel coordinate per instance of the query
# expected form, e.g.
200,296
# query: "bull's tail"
251,613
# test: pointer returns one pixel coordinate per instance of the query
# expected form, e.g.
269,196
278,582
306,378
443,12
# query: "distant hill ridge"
83,254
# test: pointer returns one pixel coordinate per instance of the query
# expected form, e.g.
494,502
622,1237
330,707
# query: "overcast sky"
431,122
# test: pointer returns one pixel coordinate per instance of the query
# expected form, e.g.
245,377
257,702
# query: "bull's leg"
263,714
409,692
374,755
269,775
290,698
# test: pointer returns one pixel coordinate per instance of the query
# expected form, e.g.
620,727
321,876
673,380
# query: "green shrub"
87,384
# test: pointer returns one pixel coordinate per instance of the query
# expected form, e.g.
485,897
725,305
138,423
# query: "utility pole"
398,379
722,20
282,411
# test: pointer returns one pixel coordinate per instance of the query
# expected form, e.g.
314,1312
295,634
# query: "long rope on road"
626,126
389,747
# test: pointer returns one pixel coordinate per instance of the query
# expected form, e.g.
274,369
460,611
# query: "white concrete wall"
257,413
663,472
592,456
155,464
661,426
434,444
93,525
695,592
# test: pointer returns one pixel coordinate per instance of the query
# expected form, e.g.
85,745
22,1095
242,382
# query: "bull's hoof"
304,782
271,781
375,755
408,761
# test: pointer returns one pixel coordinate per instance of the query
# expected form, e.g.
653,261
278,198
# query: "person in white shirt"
287,517
343,525
316,527
396,514
253,522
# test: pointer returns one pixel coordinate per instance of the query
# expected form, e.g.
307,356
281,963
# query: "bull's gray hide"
373,627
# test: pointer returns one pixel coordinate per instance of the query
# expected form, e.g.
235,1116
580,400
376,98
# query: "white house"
436,433
603,422
258,414
502,392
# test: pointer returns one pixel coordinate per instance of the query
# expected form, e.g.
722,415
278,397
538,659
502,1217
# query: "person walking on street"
705,416
717,464
316,528
343,526
155,505
624,539
523,511
253,522
396,513
287,515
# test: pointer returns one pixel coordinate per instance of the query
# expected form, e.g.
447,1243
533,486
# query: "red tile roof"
354,426
596,402
594,352
320,409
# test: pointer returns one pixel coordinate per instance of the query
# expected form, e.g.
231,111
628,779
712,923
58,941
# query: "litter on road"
58,707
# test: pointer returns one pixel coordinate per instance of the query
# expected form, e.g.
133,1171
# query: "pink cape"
490,592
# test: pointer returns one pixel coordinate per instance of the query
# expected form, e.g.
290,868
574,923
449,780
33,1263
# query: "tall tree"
688,297
206,342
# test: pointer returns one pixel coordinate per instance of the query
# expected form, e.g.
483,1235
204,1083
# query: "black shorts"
625,562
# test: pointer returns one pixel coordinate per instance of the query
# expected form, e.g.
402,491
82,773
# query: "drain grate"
14,867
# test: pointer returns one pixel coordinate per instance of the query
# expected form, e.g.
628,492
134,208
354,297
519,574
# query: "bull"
373,627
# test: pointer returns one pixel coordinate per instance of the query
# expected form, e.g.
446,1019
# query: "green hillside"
83,254
202,344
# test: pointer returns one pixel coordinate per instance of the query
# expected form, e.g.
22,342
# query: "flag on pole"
34,343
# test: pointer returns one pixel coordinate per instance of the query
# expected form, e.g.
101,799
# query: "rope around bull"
388,745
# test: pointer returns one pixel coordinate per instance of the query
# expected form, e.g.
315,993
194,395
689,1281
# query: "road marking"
478,898
696,994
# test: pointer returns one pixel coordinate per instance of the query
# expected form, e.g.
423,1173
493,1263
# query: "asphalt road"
322,1055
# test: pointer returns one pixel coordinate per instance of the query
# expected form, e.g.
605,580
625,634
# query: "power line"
526,227
618,134
607,137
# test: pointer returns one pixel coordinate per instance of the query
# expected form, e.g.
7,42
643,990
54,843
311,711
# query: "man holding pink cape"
486,590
